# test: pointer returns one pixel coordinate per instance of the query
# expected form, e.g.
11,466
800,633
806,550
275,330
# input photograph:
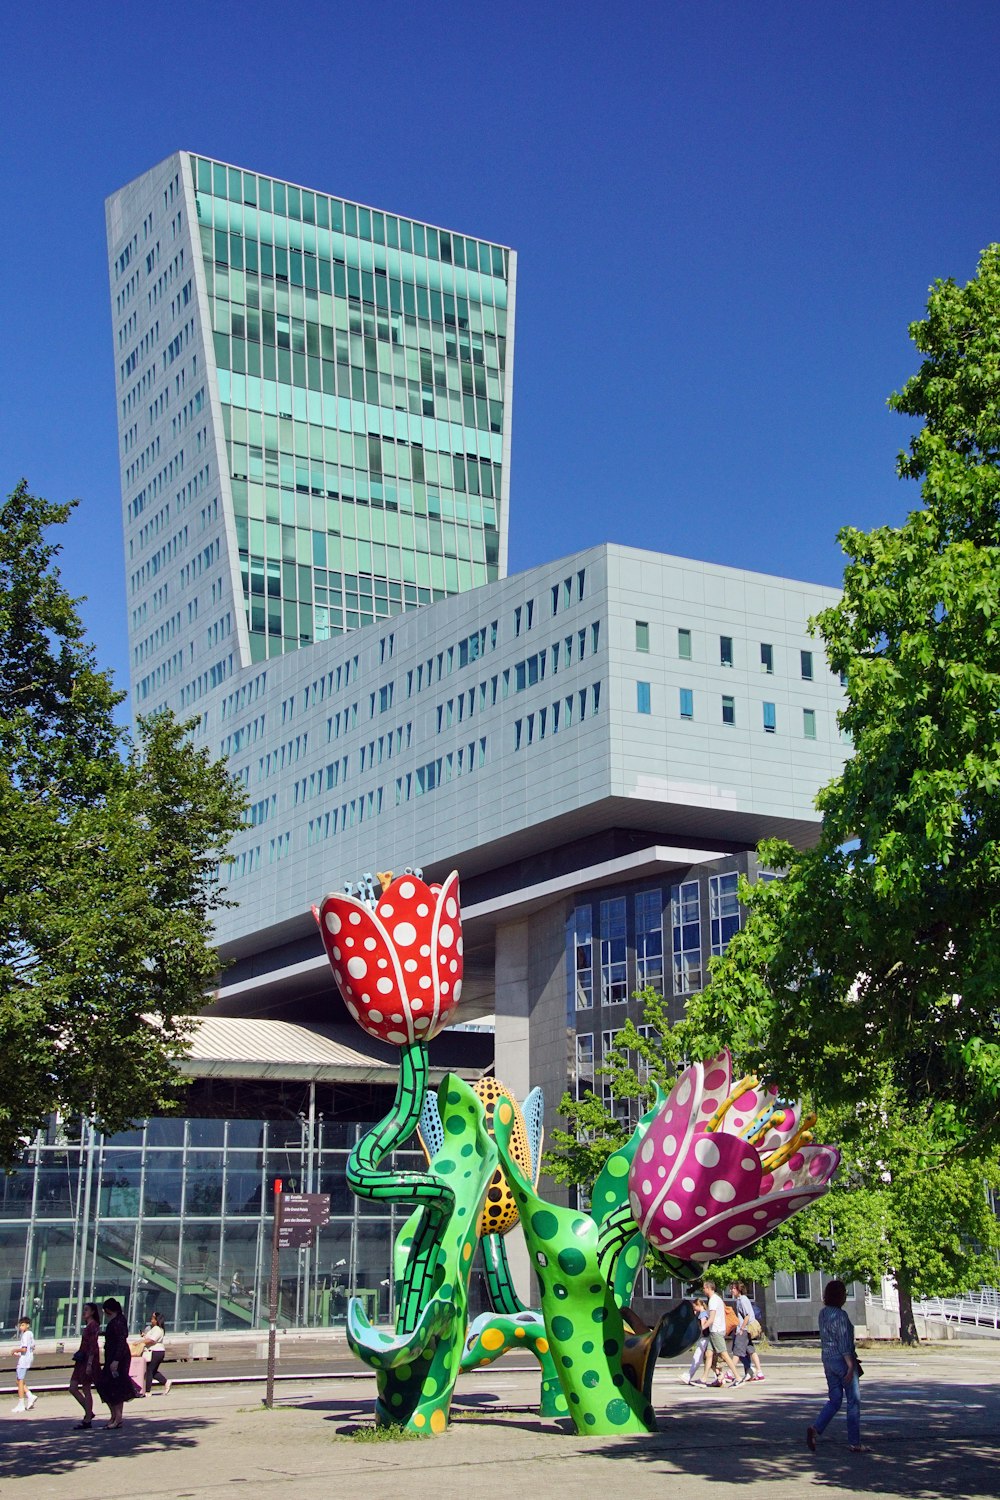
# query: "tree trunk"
907,1323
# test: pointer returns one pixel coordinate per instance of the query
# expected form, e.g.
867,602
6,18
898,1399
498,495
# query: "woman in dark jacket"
87,1363
115,1385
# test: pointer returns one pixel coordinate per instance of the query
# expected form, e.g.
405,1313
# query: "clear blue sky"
726,216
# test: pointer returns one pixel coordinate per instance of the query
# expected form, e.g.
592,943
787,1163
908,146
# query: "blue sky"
726,216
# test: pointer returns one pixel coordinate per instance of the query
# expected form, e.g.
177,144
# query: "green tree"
904,1203
880,947
108,859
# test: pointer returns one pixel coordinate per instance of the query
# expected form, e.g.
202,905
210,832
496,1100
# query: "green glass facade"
362,370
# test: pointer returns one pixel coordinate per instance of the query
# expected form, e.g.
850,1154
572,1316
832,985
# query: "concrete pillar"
531,1033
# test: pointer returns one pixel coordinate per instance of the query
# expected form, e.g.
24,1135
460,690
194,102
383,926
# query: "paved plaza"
930,1418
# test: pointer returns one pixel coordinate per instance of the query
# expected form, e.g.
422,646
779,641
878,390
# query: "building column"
532,1042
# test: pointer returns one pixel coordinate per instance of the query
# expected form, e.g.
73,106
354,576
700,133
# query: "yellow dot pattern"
500,1211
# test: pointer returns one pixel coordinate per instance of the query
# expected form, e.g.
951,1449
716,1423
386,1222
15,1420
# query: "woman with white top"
154,1340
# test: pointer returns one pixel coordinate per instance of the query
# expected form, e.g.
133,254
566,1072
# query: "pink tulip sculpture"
723,1164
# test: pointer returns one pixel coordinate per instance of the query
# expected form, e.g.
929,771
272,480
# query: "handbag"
754,1328
858,1366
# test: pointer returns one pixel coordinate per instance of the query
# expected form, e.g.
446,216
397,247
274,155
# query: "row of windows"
281,198
610,946
685,702
365,289
453,658
726,651
442,769
206,681
547,720
323,780
242,738
236,702
348,815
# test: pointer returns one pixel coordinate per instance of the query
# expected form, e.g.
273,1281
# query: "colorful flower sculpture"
398,964
723,1164
707,1171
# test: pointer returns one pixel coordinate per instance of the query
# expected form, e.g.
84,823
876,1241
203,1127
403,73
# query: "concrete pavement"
930,1420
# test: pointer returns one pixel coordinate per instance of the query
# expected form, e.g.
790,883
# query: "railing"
981,1308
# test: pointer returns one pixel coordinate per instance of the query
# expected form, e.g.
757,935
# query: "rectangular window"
724,910
806,660
728,710
608,1039
642,698
614,952
770,721
767,657
792,1286
687,703
582,957
684,644
809,723
649,940
685,921
725,650
642,635
584,1064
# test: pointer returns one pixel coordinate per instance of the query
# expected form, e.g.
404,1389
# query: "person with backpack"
717,1338
747,1330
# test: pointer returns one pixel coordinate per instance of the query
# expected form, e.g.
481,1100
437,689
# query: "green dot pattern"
418,1362
564,1246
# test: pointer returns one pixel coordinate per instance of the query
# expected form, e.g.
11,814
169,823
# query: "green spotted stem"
423,1189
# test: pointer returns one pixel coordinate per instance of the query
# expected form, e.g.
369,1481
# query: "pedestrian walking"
114,1384
840,1366
701,1347
24,1353
717,1338
154,1338
87,1365
747,1329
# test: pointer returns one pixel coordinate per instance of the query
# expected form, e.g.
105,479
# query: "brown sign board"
305,1208
300,1215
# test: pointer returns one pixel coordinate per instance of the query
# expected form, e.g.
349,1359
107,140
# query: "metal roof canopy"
233,1047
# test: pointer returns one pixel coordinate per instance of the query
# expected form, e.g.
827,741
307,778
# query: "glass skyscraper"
317,393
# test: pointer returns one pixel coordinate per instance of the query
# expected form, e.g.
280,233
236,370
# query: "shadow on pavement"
37,1445
914,1447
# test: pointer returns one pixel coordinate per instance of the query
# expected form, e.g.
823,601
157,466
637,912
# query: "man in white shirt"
717,1336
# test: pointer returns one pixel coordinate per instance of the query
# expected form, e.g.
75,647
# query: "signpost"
297,1216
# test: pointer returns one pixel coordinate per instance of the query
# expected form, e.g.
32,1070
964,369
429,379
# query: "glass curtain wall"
176,1217
361,364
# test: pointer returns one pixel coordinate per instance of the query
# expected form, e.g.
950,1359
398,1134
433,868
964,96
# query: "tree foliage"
882,944
108,858
866,980
904,1204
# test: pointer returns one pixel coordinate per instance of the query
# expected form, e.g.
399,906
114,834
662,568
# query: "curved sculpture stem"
616,1231
499,1285
365,1178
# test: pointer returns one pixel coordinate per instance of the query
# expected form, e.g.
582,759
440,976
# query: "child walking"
700,1348
25,1353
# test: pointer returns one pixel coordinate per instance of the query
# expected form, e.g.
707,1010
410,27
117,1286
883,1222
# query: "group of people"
109,1375
841,1365
712,1350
